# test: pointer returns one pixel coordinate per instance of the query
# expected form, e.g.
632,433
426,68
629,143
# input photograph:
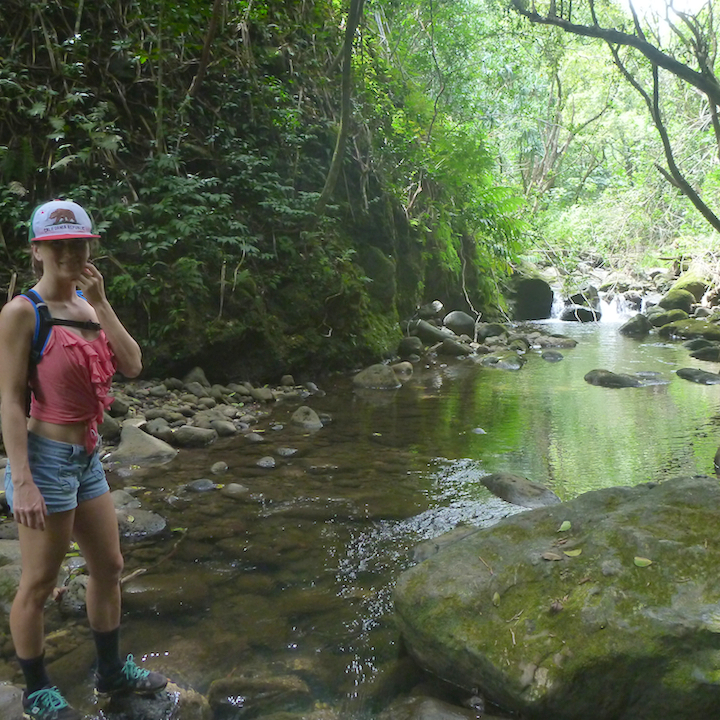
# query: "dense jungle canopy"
279,184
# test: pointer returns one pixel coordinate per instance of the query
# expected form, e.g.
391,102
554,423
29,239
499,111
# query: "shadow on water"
295,578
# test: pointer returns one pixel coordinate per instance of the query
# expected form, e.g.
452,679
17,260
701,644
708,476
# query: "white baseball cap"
60,220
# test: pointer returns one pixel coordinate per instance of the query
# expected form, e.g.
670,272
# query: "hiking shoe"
130,679
47,704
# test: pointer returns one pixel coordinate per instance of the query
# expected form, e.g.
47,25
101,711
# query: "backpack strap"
44,322
43,325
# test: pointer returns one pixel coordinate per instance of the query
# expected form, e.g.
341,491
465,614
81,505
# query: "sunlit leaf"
642,562
565,526
573,553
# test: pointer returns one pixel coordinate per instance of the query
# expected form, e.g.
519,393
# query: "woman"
54,481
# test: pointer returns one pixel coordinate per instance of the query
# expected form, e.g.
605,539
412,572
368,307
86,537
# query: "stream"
294,580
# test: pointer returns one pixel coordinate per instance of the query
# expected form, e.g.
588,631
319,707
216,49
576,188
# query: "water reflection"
296,578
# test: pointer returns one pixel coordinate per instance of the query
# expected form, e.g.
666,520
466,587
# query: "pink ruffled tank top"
72,380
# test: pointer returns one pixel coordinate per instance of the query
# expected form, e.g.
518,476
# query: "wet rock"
580,313
224,428
691,328
314,389
710,353
196,375
505,361
431,547
263,394
403,371
10,702
72,600
431,310
530,298
124,500
201,485
608,379
428,333
119,407
307,418
138,448
650,614
460,323
637,326
168,593
267,462
287,381
677,299
702,377
658,317
586,296
139,524
490,330
262,694
219,468
376,377
109,428
519,490
411,345
427,708
255,437
197,390
159,428
551,356
454,348
235,490
189,436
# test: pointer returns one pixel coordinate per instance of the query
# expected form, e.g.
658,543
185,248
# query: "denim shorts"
64,473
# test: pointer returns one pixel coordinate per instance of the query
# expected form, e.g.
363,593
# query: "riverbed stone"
637,326
376,377
10,702
677,299
696,375
709,352
503,361
525,613
138,448
460,323
580,313
139,524
262,693
189,436
197,375
609,379
518,490
410,345
658,317
691,328
307,418
695,285
454,348
429,333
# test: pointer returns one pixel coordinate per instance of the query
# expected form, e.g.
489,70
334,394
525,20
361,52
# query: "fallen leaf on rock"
551,556
496,599
573,553
642,562
565,526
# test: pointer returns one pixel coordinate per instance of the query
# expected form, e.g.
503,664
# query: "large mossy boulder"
605,607
529,298
695,285
691,328
677,300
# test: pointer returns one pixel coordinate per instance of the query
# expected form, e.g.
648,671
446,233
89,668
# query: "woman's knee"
36,589
108,571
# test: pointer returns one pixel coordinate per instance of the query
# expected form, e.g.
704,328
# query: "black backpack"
44,322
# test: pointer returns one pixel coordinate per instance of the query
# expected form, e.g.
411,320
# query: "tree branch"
707,85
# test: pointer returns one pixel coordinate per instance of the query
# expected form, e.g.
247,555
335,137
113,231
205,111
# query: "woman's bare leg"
96,532
42,553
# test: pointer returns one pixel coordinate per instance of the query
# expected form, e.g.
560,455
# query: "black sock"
107,645
36,677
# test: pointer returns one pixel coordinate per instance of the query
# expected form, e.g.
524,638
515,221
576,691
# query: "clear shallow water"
296,580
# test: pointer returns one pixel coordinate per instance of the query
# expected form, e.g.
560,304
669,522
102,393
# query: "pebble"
219,468
201,485
266,462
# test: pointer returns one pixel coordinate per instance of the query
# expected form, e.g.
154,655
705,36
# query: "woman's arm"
17,324
127,352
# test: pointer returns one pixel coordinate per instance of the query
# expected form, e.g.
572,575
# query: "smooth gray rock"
138,448
519,490
306,418
702,377
637,326
376,377
189,436
608,379
460,323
